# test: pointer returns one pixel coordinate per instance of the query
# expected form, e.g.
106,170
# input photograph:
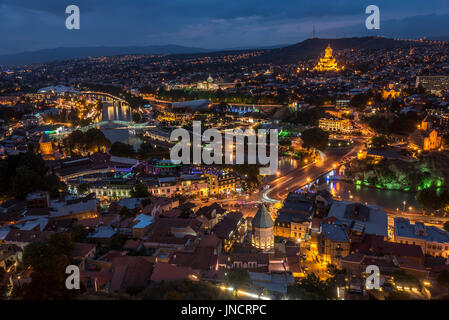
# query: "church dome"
262,218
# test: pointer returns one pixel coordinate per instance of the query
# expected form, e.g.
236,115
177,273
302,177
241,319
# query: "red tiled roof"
201,258
209,241
373,244
164,271
27,236
132,244
102,277
82,249
107,220
130,272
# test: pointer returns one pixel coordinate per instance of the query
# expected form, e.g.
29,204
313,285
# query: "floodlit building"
46,147
433,83
425,138
360,219
328,62
432,240
262,230
333,243
335,125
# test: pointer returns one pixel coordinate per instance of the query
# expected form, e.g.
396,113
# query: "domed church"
262,230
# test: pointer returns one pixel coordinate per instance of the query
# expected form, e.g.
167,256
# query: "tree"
145,150
187,213
146,202
379,124
312,288
121,149
3,284
24,173
250,174
96,140
140,190
185,290
137,117
443,278
54,185
75,140
399,295
238,277
78,234
126,213
83,188
379,142
93,140
48,261
430,199
315,138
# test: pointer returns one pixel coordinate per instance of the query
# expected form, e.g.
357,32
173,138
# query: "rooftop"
403,228
334,232
262,218
372,217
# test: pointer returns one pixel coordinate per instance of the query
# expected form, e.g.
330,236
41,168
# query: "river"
389,199
116,132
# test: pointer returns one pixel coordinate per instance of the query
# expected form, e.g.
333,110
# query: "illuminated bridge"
123,124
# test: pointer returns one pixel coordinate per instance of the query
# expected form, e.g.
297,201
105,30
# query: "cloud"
31,24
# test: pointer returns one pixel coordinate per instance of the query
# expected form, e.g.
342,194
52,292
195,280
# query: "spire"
262,219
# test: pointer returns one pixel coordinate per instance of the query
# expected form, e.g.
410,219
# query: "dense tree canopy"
238,277
140,190
48,260
93,140
24,173
184,290
312,288
315,138
121,149
379,142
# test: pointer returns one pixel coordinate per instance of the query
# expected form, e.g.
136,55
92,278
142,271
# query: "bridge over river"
118,124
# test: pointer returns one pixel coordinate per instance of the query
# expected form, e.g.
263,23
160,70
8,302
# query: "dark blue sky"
27,25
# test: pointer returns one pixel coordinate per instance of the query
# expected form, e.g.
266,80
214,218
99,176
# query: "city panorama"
333,183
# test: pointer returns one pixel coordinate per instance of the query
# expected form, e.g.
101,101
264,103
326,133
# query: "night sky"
27,25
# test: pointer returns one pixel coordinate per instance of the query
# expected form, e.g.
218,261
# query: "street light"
404,203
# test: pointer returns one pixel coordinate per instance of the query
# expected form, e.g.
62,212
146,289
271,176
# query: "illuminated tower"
262,230
328,62
45,146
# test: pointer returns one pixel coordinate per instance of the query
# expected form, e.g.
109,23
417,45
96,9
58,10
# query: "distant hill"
65,53
441,38
279,54
256,47
312,48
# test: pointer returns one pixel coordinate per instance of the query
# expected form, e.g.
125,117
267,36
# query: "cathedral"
45,148
262,230
328,62
426,138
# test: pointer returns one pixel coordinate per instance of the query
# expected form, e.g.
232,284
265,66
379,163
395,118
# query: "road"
287,182
295,179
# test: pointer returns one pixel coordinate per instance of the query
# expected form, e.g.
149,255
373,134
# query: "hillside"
312,48
66,53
